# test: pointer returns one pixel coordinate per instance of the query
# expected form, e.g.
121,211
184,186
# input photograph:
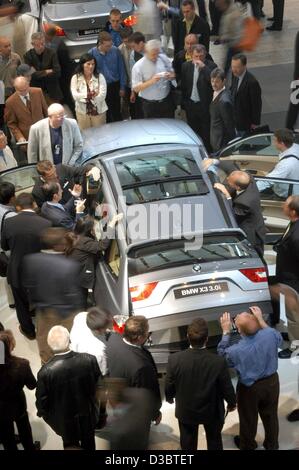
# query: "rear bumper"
170,332
212,314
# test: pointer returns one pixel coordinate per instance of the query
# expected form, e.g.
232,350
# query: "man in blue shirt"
110,63
255,359
114,26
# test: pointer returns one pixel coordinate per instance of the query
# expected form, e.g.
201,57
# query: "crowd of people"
54,230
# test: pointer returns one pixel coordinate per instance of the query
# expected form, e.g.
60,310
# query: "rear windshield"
175,253
69,1
159,176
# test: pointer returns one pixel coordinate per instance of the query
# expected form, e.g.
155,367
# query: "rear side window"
160,176
176,253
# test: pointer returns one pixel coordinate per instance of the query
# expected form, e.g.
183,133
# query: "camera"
93,186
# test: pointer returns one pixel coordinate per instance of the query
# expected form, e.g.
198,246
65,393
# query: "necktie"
28,104
195,95
2,156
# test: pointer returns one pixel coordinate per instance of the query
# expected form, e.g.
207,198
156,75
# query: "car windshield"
159,176
171,253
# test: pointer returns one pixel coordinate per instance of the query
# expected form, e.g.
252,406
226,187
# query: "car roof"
134,133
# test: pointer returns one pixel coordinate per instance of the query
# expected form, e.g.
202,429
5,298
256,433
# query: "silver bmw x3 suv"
169,269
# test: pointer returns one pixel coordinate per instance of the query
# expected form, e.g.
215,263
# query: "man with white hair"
55,138
151,79
66,392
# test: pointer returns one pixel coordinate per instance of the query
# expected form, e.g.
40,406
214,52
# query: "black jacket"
87,252
180,59
60,217
287,259
21,235
247,101
66,394
222,121
136,365
199,27
67,177
53,281
203,83
15,375
248,213
199,381
48,83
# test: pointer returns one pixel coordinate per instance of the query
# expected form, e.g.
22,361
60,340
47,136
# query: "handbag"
3,255
252,31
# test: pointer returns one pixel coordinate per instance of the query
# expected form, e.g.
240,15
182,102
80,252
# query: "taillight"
142,292
58,30
130,20
255,274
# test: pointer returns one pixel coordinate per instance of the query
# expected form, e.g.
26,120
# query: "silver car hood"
81,10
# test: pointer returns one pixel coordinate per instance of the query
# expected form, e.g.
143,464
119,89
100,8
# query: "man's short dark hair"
294,204
25,201
98,319
50,189
185,3
53,237
218,73
7,191
135,327
44,166
104,36
241,57
197,333
115,11
137,37
126,32
285,136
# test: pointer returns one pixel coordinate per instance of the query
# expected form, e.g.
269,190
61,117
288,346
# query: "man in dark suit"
197,93
62,215
66,392
21,235
200,382
287,248
65,175
46,64
189,23
242,191
128,359
221,112
54,289
247,96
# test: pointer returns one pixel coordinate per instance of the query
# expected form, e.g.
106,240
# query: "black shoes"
285,354
30,336
274,28
285,336
12,306
237,443
293,416
271,19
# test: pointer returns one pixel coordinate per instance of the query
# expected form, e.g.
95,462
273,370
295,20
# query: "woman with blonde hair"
89,92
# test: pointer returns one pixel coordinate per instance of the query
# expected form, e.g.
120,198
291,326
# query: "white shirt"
8,161
23,98
83,341
145,69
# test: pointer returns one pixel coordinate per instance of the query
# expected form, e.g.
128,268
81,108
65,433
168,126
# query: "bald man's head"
239,180
247,324
56,115
22,85
5,46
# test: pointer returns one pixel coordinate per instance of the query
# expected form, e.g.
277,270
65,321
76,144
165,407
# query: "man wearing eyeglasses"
55,138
